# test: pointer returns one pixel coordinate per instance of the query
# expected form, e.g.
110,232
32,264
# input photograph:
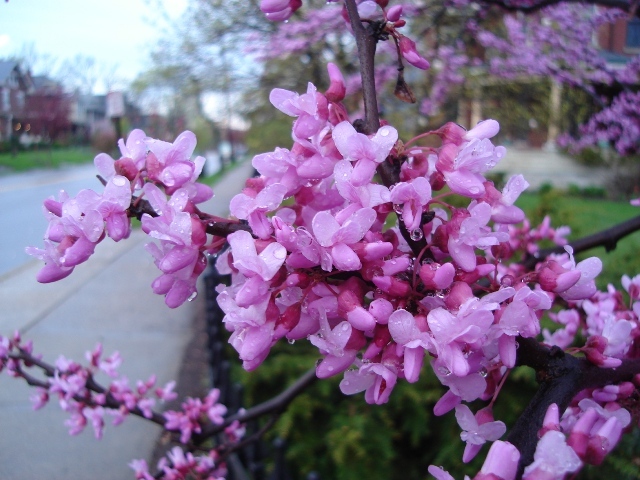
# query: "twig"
366,43
274,405
606,238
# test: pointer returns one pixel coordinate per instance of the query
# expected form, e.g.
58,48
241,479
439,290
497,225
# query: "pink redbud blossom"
253,207
337,88
410,332
553,458
501,462
410,54
476,430
366,152
394,13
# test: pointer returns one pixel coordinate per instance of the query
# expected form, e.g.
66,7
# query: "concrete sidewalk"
543,166
107,300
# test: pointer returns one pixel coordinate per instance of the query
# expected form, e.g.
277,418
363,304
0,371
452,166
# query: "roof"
6,68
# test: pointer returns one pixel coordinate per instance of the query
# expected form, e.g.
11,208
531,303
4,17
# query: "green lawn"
587,216
46,158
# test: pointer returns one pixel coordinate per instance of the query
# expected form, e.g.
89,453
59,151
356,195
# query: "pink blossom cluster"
617,127
317,24
88,402
76,389
379,278
165,176
177,464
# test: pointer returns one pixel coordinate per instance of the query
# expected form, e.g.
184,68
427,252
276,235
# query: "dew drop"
416,234
346,383
119,181
507,281
444,371
331,369
291,341
397,207
483,372
192,297
384,132
345,327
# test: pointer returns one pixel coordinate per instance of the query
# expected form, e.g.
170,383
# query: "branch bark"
561,377
366,43
606,238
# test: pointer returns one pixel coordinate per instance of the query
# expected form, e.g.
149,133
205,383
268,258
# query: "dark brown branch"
561,377
606,238
90,384
366,43
276,404
217,226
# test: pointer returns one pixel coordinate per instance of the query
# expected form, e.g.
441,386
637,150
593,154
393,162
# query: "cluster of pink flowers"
331,264
87,402
152,169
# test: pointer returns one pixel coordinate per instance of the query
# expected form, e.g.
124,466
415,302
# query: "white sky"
114,32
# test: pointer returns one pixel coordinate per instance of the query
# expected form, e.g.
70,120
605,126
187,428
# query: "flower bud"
393,14
410,54
337,89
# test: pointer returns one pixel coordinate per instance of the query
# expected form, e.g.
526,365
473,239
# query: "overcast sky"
114,32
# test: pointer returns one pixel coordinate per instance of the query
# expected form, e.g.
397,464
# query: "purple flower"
332,343
413,196
477,430
334,238
254,208
366,152
553,458
310,108
405,331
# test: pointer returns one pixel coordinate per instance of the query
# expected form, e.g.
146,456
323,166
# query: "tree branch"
606,238
366,42
276,404
561,377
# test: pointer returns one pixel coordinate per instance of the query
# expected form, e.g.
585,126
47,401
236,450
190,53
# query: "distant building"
15,86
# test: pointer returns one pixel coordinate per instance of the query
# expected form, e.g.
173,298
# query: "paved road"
21,217
540,166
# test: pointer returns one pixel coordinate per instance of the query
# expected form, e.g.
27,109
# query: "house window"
633,33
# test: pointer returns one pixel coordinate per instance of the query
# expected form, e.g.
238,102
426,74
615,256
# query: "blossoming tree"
351,239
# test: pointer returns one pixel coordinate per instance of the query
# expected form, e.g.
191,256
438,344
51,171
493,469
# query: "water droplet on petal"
192,297
484,372
397,207
119,181
291,341
384,132
416,234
